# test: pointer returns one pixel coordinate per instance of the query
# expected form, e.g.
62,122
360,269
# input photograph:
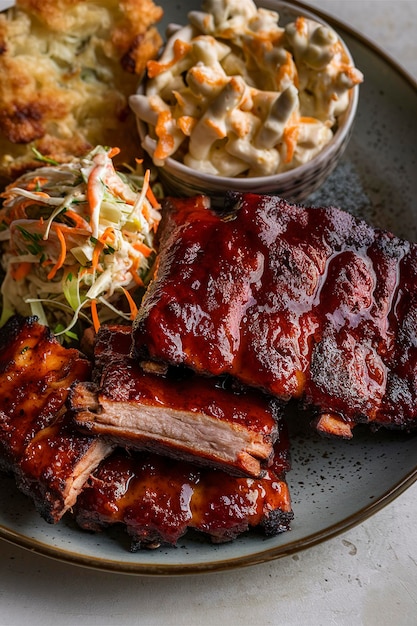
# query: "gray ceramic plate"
334,484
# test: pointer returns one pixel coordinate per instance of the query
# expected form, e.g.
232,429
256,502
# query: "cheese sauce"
236,94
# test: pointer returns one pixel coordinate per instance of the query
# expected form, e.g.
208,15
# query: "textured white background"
367,576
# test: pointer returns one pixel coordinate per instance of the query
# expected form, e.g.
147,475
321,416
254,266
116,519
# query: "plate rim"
183,569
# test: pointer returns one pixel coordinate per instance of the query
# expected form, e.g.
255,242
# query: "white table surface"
366,576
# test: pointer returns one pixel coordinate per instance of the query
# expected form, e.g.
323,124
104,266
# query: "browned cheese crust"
68,68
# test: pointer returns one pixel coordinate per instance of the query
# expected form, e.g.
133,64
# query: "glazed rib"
49,459
135,491
36,373
179,414
306,303
56,465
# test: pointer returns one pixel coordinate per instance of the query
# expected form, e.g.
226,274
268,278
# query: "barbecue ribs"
50,460
180,414
306,303
158,499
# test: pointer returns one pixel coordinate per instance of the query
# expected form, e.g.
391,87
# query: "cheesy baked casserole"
67,68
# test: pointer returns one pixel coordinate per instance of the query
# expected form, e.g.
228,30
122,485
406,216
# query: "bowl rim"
174,167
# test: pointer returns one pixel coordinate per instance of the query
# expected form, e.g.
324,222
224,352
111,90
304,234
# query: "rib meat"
38,444
178,414
56,465
158,499
305,303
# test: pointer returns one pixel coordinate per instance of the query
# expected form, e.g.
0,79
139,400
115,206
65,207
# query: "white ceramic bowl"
296,184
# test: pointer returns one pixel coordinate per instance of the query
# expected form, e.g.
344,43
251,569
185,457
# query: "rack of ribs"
49,458
305,303
179,414
157,499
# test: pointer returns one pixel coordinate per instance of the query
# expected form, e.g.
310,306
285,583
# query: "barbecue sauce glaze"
301,302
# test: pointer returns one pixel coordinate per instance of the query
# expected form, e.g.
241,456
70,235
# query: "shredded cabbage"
78,242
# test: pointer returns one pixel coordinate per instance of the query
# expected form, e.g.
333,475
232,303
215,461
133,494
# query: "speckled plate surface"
334,484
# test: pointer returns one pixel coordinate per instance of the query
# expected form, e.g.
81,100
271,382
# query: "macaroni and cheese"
236,94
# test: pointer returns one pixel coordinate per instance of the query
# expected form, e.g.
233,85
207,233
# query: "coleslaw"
77,242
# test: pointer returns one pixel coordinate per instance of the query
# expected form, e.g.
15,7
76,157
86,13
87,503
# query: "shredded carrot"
146,212
138,279
38,181
301,26
308,120
111,179
98,249
187,123
134,271
18,210
86,270
132,305
113,152
108,235
143,249
19,271
290,138
95,193
62,254
41,194
79,221
165,144
94,316
181,49
287,70
151,196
